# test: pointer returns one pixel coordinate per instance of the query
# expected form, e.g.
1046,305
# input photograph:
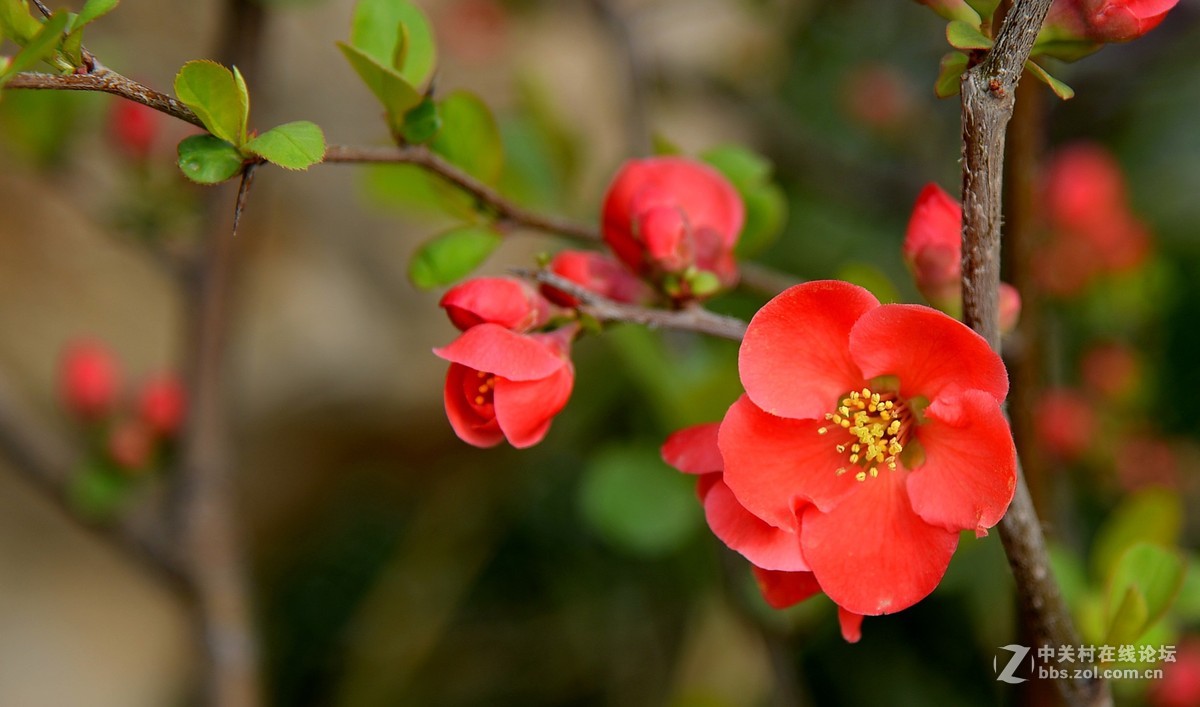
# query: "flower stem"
988,99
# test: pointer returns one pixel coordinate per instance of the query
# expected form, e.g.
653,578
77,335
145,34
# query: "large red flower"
774,552
873,432
671,216
504,385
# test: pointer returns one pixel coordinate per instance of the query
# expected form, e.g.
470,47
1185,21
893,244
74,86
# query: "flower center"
878,425
486,389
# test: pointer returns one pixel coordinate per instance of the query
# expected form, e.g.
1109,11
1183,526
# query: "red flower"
872,432
774,553
511,303
1065,423
88,379
664,216
130,445
134,128
1112,370
1180,683
596,272
504,385
1104,20
933,251
161,405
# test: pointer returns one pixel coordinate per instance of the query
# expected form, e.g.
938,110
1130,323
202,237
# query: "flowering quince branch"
988,95
694,318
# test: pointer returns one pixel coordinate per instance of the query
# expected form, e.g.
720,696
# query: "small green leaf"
1060,89
766,206
97,492
949,80
422,123
16,23
217,96
208,160
961,35
636,503
451,256
985,8
297,145
469,136
376,32
1150,516
244,98
1145,583
391,89
93,10
40,47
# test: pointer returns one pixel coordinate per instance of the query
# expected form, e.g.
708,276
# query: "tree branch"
988,95
694,318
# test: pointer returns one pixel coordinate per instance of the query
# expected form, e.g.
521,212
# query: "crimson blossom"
872,434
1104,20
674,221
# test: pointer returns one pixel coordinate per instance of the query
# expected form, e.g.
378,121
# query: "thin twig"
106,80
693,318
988,95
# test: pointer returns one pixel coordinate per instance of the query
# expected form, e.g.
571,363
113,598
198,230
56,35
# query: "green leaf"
422,123
1060,89
297,145
469,136
16,23
1149,516
217,96
97,492
208,160
396,34
451,256
637,503
1145,583
93,10
985,8
40,47
949,80
395,93
961,35
766,206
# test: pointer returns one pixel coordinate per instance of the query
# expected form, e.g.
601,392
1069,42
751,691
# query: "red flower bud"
161,405
598,273
933,247
504,385
130,445
511,303
1010,307
1084,187
664,216
1104,20
88,379
134,128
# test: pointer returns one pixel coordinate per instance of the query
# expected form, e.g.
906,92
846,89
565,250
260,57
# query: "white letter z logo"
1006,675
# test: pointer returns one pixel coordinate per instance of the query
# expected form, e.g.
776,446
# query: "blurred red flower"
89,379
597,272
1065,423
161,405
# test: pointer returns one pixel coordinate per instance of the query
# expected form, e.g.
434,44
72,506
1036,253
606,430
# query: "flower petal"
774,464
970,469
795,359
764,545
851,624
872,554
524,408
784,589
693,450
466,421
494,349
930,352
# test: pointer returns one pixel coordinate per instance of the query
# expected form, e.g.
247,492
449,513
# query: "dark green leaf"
961,35
208,160
376,32
1151,516
637,503
217,96
451,256
469,136
422,123
297,145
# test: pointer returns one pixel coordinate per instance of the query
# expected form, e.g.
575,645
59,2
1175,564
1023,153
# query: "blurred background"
392,564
